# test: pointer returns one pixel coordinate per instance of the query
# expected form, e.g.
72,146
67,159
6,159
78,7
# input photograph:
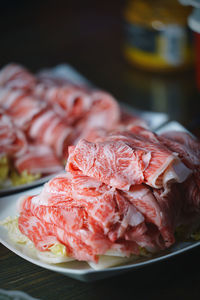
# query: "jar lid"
194,20
195,3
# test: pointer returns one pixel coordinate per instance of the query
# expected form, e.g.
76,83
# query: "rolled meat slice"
70,102
14,76
38,120
13,142
20,106
38,159
104,112
48,128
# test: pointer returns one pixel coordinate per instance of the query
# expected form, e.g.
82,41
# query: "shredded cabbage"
11,224
23,178
144,252
58,249
9,176
4,168
181,232
196,235
55,254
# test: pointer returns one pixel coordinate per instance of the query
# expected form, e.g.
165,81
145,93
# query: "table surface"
91,39
177,278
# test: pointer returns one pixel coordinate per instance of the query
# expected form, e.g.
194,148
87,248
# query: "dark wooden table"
91,39
177,278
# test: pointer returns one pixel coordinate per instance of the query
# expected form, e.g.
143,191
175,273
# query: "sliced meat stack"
123,192
13,142
55,112
32,158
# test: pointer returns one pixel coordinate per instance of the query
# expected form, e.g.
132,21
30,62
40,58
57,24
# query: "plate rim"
125,267
7,201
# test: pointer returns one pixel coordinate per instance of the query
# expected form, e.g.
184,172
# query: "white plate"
15,189
81,270
172,126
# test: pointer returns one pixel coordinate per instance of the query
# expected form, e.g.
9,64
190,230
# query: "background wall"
89,35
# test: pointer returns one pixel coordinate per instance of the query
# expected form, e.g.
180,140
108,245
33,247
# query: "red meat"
12,140
38,159
16,77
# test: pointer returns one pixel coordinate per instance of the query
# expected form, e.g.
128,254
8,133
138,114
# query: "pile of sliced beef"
51,113
125,190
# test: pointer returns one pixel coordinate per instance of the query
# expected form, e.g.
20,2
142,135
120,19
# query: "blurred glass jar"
156,35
